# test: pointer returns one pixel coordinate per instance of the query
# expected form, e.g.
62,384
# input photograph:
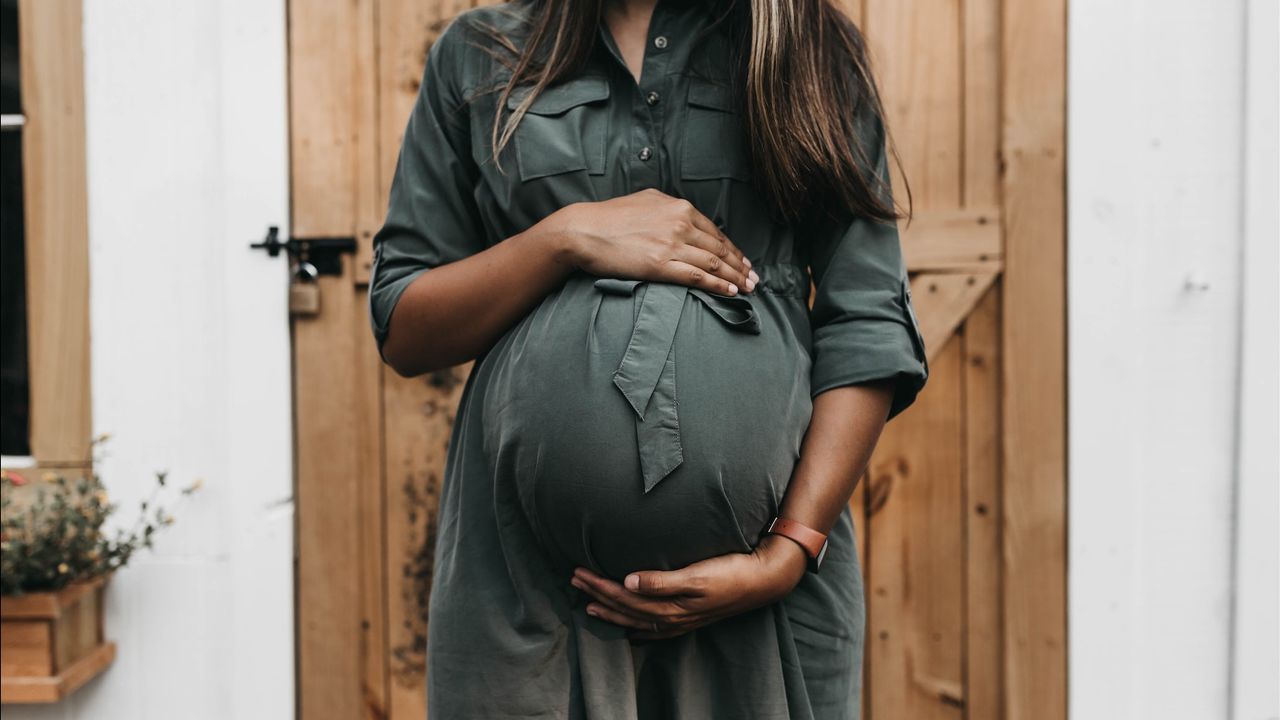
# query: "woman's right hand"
649,235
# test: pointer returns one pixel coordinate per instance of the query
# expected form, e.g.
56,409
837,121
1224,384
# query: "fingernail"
754,277
751,284
632,582
733,289
578,584
747,260
591,610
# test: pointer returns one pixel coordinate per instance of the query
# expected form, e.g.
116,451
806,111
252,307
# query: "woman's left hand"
656,605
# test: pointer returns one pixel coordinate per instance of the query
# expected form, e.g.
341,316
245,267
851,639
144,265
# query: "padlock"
304,291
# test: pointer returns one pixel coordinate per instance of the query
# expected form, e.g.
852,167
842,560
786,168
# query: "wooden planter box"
52,643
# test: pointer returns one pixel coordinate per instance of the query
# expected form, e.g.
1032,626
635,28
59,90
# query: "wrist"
556,234
783,557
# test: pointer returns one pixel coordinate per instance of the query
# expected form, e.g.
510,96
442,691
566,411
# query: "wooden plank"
330,670
76,633
333,158
47,605
942,302
1034,359
916,593
420,414
917,56
406,31
964,239
57,232
28,648
981,103
984,682
367,430
52,689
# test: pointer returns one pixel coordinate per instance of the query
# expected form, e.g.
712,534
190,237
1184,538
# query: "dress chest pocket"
714,141
564,130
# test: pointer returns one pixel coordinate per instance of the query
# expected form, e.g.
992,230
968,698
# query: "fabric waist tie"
647,374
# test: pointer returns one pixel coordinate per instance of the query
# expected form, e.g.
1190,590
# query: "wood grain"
1034,370
917,56
367,433
943,302
917,555
333,154
52,642
984,602
954,240
981,149
57,232
56,687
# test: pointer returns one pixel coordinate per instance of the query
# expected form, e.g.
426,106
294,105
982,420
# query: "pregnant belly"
644,426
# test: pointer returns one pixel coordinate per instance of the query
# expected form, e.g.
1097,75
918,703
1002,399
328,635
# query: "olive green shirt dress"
625,425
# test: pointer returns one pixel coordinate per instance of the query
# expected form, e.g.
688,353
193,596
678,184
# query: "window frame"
55,203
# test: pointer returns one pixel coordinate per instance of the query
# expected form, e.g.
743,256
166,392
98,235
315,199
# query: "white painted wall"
187,158
1157,149
1256,621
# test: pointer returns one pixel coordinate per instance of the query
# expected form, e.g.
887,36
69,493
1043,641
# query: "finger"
615,595
682,273
608,614
704,223
670,631
714,265
601,598
665,583
735,270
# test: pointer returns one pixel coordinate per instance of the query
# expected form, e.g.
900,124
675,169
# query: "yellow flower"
62,568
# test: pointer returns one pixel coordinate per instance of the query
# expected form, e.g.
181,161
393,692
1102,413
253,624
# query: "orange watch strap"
811,540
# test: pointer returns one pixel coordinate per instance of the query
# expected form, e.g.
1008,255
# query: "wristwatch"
813,542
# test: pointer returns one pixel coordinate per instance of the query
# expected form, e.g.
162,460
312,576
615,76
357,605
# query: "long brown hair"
802,80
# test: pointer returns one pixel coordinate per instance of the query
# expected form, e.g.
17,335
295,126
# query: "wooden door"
962,516
963,512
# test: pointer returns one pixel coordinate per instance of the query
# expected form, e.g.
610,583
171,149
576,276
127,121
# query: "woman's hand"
657,605
649,235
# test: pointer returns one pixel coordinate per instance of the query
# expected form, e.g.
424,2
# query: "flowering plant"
57,537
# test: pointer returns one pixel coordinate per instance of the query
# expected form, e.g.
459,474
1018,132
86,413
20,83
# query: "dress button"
660,42
645,153
653,97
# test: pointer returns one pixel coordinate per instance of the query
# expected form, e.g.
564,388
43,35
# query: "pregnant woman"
617,208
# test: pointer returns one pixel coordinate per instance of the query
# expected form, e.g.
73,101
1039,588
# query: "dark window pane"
14,386
10,77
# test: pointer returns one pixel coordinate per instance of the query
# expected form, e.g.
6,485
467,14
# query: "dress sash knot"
647,374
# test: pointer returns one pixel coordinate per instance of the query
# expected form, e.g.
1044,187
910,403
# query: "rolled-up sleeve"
432,217
864,326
